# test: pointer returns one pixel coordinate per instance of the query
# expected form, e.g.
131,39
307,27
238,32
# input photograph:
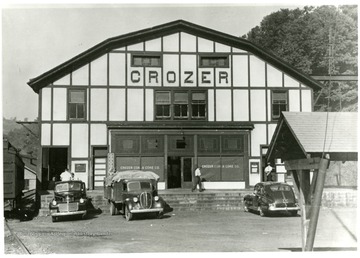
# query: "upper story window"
209,61
279,103
176,105
162,104
181,105
198,105
77,104
146,60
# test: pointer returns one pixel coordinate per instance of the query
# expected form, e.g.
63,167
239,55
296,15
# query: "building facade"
166,99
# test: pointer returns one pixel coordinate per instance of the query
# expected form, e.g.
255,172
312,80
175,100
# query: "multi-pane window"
214,61
162,104
198,105
181,104
279,103
77,104
176,105
146,60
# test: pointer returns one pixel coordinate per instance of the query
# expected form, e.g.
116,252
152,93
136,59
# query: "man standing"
66,175
197,179
268,170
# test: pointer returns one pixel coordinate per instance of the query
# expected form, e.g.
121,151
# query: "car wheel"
128,214
54,219
262,212
159,215
112,209
246,208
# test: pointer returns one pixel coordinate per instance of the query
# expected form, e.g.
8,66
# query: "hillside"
9,125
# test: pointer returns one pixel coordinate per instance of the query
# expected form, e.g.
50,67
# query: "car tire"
54,219
246,208
159,215
128,214
262,212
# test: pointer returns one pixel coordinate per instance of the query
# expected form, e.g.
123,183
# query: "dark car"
69,200
133,192
272,197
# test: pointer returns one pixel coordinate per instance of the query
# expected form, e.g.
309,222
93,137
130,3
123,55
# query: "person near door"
66,175
197,179
268,170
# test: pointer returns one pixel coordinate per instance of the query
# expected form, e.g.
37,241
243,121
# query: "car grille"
282,205
68,207
145,200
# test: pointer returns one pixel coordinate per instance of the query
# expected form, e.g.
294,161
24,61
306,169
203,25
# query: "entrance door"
179,172
54,162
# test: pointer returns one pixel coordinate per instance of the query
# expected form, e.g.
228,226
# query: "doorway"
54,162
179,172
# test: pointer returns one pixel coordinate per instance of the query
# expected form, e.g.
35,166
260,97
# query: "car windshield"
282,188
134,186
68,186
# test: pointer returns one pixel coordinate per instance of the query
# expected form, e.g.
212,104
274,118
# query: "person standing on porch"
268,170
197,179
66,175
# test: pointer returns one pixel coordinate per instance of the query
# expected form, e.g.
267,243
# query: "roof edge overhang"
162,30
182,126
281,124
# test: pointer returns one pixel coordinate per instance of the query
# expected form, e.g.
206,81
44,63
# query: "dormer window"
146,60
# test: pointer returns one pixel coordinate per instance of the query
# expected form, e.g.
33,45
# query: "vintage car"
69,200
271,197
133,192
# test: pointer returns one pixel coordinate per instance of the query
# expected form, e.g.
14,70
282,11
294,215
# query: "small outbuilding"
306,142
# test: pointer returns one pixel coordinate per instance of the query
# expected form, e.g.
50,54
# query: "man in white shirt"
66,175
268,170
197,179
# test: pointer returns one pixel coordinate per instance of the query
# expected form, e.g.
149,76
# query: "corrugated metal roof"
310,129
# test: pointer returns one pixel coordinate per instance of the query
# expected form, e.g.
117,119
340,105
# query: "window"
77,104
146,60
214,61
162,103
198,105
279,103
181,105
176,105
208,143
233,144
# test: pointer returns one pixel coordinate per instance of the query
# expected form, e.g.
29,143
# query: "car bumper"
70,213
284,208
147,210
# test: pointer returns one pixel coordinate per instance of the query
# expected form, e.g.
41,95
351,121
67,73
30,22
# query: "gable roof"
163,30
310,129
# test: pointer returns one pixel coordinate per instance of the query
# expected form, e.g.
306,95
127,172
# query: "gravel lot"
182,231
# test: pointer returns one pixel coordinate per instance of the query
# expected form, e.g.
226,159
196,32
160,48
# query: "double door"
179,173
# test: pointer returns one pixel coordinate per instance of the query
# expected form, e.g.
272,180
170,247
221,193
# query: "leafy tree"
317,41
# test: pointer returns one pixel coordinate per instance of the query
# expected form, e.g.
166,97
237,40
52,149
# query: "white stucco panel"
45,134
117,69
257,72
240,70
241,105
45,104
98,134
258,137
153,45
79,141
98,73
61,134
188,42
81,76
135,106
60,104
117,104
98,103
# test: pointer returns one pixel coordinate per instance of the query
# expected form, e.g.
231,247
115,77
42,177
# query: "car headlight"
81,200
54,202
135,199
271,204
156,198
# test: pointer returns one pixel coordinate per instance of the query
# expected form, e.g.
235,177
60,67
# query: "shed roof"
163,30
314,133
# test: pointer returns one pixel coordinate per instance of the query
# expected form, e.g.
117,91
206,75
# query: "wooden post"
315,207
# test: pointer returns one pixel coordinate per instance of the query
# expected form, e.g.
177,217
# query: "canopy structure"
131,174
306,142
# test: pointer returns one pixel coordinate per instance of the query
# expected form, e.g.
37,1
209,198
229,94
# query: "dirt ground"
182,231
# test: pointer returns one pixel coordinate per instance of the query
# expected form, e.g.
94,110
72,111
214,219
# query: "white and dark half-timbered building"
166,99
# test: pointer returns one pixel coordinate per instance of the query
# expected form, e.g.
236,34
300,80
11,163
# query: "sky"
36,38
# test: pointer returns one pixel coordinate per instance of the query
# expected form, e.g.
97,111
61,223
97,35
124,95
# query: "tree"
317,41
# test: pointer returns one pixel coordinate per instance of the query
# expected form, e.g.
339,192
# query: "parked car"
271,197
133,192
69,200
